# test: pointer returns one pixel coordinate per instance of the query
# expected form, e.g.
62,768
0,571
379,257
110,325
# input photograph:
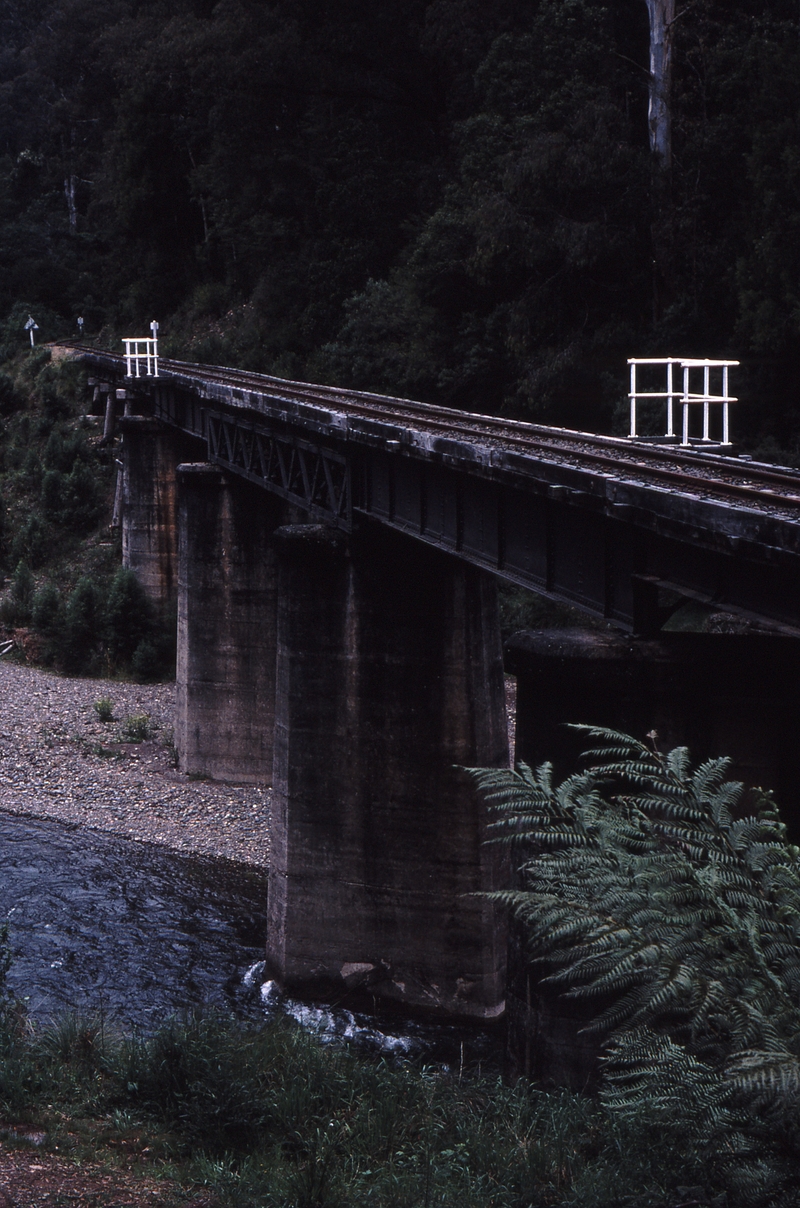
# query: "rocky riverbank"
59,760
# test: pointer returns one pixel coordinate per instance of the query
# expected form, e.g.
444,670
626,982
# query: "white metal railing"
142,350
684,395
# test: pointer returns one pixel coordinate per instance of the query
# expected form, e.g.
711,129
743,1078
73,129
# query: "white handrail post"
706,405
685,439
669,398
633,398
135,354
725,429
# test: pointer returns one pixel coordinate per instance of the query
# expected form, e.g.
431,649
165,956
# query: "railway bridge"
333,557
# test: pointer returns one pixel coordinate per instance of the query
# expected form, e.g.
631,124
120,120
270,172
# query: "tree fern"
671,897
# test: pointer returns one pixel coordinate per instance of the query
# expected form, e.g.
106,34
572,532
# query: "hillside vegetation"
66,603
440,198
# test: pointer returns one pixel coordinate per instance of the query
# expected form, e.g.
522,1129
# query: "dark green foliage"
73,500
10,398
672,897
82,628
47,618
153,658
534,265
52,493
64,446
522,609
31,541
268,1116
83,498
128,617
22,590
3,534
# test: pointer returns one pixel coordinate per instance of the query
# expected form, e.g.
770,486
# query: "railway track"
691,471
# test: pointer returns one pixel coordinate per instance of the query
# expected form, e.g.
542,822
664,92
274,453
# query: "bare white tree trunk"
662,17
69,192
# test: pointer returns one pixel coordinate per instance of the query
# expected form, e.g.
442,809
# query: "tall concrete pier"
227,605
389,675
151,453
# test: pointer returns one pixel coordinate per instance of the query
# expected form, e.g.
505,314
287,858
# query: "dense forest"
439,198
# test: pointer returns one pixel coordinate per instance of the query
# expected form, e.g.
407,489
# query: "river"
137,932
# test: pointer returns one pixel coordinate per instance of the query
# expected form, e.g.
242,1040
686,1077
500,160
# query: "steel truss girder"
622,549
313,476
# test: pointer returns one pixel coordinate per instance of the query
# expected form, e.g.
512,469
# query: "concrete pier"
389,673
718,694
149,511
226,626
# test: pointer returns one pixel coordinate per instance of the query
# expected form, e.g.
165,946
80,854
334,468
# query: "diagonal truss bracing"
313,476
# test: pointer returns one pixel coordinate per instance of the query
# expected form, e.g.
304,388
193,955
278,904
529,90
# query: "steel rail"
710,473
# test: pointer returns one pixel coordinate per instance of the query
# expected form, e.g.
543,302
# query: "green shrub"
137,727
32,469
3,533
154,657
52,493
63,447
18,604
83,499
47,610
128,617
47,618
147,663
104,708
32,541
73,500
10,398
79,647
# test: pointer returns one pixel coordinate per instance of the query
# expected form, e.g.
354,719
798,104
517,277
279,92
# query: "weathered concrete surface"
389,673
225,675
150,455
719,694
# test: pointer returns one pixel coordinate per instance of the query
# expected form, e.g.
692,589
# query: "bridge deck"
603,522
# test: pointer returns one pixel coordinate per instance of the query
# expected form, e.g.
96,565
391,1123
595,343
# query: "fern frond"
645,892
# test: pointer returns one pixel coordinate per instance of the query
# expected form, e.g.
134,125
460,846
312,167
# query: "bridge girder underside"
614,548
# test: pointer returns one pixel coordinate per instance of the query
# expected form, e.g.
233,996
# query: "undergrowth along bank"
269,1116
66,601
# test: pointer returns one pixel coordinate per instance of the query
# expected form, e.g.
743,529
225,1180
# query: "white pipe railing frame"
133,355
685,396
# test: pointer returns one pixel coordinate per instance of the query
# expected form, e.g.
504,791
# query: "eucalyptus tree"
662,18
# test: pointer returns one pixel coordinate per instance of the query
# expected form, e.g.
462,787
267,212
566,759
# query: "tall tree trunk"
662,17
69,192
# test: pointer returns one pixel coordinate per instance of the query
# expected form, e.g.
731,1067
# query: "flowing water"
103,924
130,929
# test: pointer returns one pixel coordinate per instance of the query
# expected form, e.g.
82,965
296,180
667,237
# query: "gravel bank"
57,760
